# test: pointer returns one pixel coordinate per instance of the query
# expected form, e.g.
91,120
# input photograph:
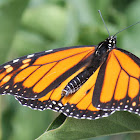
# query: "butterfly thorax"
106,45
99,57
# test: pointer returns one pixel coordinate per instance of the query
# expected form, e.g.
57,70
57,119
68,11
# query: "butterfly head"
111,42
106,46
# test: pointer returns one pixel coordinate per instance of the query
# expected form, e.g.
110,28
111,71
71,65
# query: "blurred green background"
36,25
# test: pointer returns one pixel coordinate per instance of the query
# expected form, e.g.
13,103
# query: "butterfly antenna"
104,22
127,28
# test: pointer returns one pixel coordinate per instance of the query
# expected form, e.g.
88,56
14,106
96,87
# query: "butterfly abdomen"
77,82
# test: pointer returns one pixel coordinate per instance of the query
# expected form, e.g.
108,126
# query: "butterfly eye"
114,42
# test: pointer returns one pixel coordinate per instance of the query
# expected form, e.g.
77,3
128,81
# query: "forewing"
118,83
36,75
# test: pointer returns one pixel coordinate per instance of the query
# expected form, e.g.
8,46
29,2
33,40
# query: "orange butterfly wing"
36,75
118,83
37,81
77,105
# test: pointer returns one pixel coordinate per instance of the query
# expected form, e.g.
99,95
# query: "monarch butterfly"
85,82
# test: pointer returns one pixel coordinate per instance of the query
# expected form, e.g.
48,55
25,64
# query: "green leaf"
57,122
73,129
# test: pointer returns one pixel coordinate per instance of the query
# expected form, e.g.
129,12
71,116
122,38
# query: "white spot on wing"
67,110
126,106
48,51
35,96
16,60
65,114
131,108
57,108
30,55
71,113
54,102
7,66
83,117
91,118
75,117
60,104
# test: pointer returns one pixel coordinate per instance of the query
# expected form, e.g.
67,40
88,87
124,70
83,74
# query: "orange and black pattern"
118,83
77,105
84,82
35,75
